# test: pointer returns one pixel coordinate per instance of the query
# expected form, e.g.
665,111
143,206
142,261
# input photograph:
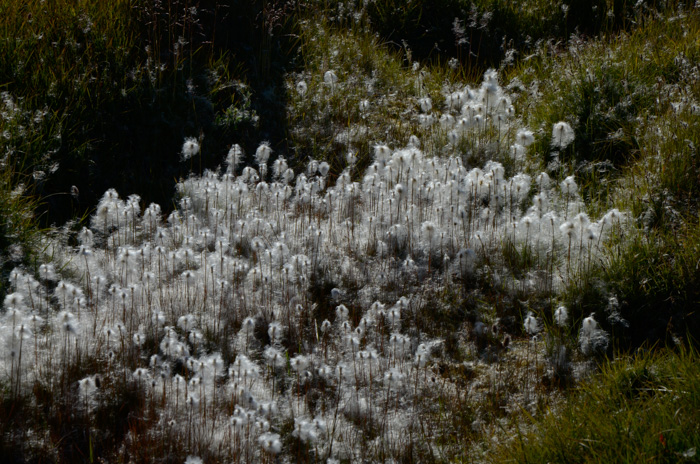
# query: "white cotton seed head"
330,78
248,325
323,168
382,152
341,313
530,324
568,186
561,316
234,157
275,331
426,104
543,181
262,154
517,152
562,135
364,106
589,325
326,326
14,301
525,137
270,443
190,148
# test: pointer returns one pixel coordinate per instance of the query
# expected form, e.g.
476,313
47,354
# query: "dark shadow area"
221,82
479,34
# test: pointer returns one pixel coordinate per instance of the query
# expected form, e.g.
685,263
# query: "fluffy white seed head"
262,154
530,324
190,148
561,316
562,135
330,78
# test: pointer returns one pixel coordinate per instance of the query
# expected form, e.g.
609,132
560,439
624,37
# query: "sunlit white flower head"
426,104
270,443
190,148
248,325
525,137
47,272
589,325
530,324
274,330
323,168
562,135
568,186
561,316
364,106
489,88
381,152
234,157
394,378
14,301
330,78
342,313
592,339
262,154
517,152
326,326
543,180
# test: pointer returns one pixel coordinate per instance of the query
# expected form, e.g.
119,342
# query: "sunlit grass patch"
636,409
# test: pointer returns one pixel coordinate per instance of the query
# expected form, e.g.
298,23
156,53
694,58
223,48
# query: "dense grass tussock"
420,260
636,409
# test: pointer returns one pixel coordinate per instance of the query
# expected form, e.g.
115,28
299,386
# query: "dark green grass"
480,33
637,409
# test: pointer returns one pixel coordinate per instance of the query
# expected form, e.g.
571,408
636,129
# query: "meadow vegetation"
424,231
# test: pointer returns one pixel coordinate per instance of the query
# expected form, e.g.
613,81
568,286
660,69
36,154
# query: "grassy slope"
632,100
637,409
640,87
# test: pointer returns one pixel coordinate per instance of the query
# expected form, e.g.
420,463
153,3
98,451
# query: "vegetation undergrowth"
633,105
638,408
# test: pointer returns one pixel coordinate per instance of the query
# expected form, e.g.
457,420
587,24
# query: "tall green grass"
109,84
632,100
637,409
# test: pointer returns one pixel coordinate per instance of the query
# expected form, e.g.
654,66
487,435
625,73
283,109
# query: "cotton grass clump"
213,313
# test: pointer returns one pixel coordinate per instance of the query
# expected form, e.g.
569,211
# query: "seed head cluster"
274,302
